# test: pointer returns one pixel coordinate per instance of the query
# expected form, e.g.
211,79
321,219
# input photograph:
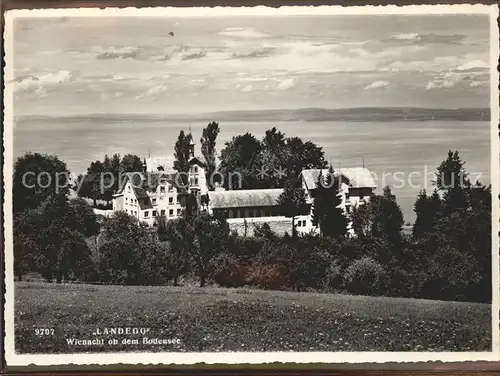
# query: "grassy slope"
218,319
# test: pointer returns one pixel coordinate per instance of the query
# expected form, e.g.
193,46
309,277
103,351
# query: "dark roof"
143,182
244,198
196,160
357,177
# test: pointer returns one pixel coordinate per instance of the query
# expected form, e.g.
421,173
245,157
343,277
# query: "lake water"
393,151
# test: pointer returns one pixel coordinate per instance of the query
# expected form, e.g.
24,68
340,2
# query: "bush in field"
269,277
48,240
367,246
179,237
245,249
364,276
450,274
229,273
333,278
129,253
211,238
304,261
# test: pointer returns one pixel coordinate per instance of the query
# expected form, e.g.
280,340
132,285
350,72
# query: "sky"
81,65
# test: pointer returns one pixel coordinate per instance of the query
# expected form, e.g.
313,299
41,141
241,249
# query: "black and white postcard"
251,185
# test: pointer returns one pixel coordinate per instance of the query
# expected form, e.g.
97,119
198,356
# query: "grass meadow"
220,319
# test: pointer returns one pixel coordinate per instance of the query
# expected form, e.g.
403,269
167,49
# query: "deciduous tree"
292,202
208,143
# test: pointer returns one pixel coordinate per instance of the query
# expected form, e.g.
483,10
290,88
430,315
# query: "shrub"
364,276
333,278
269,277
228,272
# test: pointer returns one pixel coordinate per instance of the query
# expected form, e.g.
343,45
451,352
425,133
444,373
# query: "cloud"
244,33
42,81
286,84
408,36
428,38
474,84
473,65
152,92
194,56
377,85
247,88
467,62
465,78
309,48
392,52
259,52
119,53
440,84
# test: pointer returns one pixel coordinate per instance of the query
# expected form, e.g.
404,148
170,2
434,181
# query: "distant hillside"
357,114
362,114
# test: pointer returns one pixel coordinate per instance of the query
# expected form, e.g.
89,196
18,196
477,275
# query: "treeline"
448,255
103,179
245,162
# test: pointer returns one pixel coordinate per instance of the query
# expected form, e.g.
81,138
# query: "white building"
257,206
356,188
153,193
246,208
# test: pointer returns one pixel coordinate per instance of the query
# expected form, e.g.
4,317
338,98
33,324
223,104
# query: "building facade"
247,208
244,208
154,193
356,187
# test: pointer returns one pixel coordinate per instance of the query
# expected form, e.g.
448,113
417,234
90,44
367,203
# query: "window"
177,200
304,223
178,211
154,201
128,188
170,188
126,211
171,212
195,181
162,189
170,200
195,168
162,213
154,213
146,214
126,199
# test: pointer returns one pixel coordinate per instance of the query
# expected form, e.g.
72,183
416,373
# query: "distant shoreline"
360,114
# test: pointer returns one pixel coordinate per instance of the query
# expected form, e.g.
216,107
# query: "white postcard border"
170,358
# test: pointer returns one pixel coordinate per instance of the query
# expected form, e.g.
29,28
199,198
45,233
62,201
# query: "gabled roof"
244,198
196,161
357,177
143,182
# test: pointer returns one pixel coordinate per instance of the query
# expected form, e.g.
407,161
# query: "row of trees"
255,161
448,255
258,161
102,179
50,230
